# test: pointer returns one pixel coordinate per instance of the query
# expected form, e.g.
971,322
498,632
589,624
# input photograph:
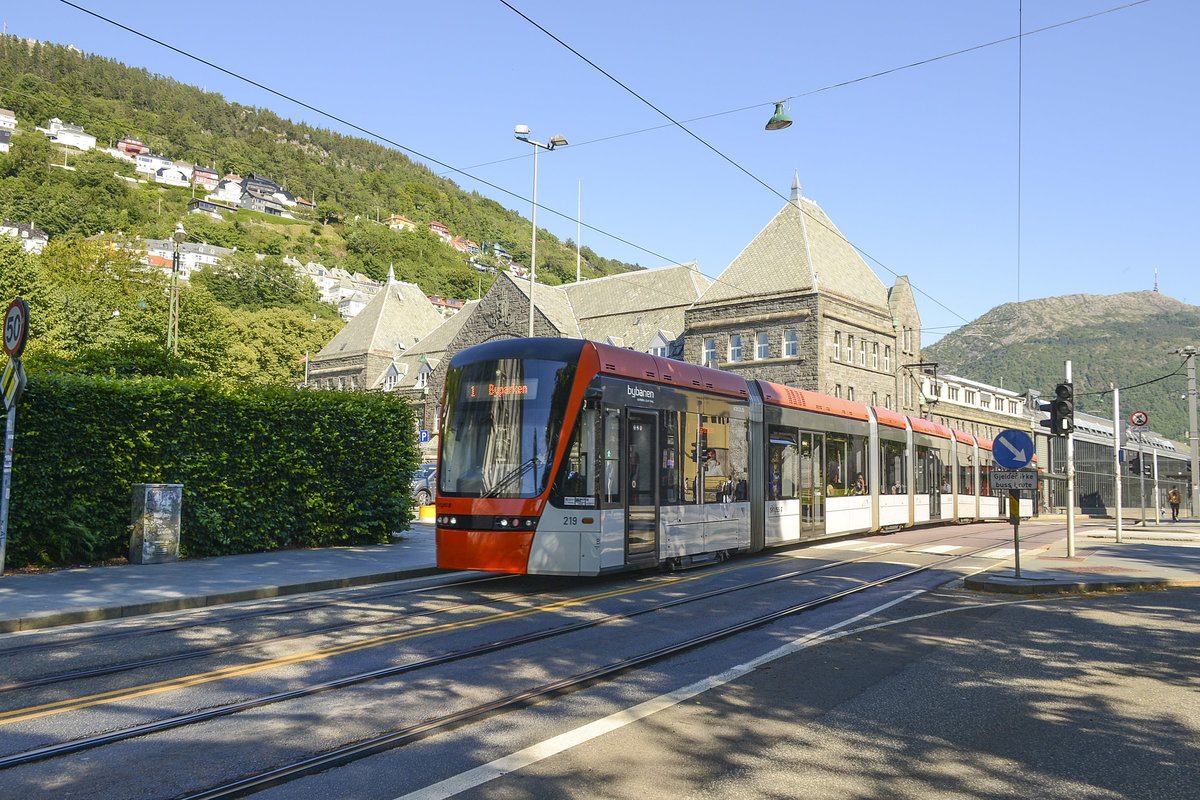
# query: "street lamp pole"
1190,352
173,313
522,133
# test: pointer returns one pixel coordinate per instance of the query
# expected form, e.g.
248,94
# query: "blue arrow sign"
1012,449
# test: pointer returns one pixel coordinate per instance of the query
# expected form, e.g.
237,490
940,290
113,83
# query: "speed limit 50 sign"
16,327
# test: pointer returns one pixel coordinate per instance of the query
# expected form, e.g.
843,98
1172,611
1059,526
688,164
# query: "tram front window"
502,423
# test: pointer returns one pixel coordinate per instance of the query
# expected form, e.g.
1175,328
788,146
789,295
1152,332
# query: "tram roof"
920,425
791,397
886,416
645,367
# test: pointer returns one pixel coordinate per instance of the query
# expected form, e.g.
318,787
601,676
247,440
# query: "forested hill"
342,174
1123,339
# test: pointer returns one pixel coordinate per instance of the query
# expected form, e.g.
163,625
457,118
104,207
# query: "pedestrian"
1174,498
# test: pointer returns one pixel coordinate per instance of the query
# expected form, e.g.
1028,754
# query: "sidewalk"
1154,556
71,596
1166,555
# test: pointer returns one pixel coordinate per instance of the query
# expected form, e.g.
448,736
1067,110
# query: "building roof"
395,319
800,250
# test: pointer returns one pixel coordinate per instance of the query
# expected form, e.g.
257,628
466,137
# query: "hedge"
262,468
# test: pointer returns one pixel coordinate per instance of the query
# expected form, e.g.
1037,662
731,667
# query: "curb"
52,619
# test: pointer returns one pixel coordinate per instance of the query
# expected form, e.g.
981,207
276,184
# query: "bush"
262,468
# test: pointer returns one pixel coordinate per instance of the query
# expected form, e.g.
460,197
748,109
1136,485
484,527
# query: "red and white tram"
570,457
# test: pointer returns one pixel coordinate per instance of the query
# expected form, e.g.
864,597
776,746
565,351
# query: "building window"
874,398
761,348
837,390
789,344
710,351
1012,406
887,401
969,396
837,345
985,401
952,392
862,352
875,355
850,347
735,347
887,358
661,352
850,393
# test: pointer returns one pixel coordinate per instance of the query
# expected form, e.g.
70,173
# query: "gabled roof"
641,290
397,317
432,348
800,250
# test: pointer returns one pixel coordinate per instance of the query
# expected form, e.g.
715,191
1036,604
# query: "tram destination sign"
1014,479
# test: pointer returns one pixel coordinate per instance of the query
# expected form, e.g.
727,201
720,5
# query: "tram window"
735,490
895,466
576,481
611,457
845,461
692,440
920,471
783,465
966,471
672,467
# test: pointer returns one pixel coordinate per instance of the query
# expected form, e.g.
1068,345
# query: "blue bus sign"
1012,449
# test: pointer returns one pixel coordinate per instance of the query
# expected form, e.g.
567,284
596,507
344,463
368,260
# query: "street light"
522,133
1190,352
178,238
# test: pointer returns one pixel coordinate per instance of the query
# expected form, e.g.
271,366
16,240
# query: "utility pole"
1119,442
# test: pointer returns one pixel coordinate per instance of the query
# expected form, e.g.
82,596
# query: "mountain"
348,178
1123,339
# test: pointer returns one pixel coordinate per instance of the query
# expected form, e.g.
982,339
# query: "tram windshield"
503,418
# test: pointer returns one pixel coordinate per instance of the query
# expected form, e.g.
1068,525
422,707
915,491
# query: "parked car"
424,484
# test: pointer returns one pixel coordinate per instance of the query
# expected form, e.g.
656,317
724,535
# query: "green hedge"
262,468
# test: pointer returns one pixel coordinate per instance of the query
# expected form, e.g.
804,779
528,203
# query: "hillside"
1124,340
347,177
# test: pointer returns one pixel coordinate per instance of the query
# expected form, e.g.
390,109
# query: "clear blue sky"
1009,172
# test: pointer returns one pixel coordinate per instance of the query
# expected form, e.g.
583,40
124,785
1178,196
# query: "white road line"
565,741
938,549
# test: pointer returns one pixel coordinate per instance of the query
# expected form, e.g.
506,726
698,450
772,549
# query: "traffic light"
1135,465
1062,410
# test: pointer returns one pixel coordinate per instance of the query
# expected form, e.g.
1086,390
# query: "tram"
572,457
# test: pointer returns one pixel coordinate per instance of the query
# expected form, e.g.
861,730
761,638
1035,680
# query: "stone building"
800,307
394,320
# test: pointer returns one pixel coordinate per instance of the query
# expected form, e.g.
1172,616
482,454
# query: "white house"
70,135
8,120
151,163
32,239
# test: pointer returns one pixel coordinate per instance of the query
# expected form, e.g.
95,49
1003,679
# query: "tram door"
641,486
933,469
812,484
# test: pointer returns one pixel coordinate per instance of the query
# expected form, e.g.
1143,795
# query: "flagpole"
306,368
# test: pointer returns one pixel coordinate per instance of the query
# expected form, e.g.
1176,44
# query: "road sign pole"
6,484
1014,511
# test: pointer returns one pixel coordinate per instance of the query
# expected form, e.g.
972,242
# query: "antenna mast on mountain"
1156,279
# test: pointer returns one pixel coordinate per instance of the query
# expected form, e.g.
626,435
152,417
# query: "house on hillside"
132,147
192,255
32,239
171,176
8,120
199,205
229,190
5,140
399,223
440,230
204,178
151,163
69,135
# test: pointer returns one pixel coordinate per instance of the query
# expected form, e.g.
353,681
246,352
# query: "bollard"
155,536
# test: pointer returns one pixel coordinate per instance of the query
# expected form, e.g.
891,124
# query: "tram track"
512,701
113,669
400,737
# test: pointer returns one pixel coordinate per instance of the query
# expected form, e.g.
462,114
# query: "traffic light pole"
1070,482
